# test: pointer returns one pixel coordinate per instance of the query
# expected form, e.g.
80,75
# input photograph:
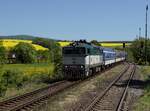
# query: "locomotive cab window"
74,50
94,51
88,51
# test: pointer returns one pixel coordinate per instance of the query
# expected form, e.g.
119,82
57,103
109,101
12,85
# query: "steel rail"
29,93
13,103
119,107
99,97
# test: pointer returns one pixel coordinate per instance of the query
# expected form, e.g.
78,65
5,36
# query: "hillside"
20,37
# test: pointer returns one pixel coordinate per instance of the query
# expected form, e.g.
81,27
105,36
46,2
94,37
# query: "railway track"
113,97
35,98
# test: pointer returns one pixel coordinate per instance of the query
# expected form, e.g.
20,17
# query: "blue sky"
74,19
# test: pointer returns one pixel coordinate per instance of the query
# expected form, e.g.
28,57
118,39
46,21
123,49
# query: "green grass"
13,92
145,72
29,69
143,104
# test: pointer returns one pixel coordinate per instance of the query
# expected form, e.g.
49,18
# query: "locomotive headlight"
82,67
66,66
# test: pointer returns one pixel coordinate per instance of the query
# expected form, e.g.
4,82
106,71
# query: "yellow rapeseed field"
10,43
62,44
113,44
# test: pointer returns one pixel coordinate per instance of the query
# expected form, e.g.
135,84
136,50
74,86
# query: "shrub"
95,42
138,50
38,78
45,77
2,55
12,78
43,56
3,89
55,51
25,53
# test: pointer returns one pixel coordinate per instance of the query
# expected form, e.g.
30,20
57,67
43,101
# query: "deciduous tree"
138,50
25,53
95,42
2,55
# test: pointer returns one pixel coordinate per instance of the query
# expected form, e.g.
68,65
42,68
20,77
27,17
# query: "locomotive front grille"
74,73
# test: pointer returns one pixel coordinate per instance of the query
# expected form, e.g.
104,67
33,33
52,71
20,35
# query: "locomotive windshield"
74,50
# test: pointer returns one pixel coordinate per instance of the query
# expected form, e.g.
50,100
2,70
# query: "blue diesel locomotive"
82,59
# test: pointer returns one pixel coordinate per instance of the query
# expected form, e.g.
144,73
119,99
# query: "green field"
29,69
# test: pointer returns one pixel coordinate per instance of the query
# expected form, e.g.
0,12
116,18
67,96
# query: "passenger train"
82,59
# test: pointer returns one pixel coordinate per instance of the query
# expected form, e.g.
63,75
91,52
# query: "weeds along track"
35,98
113,97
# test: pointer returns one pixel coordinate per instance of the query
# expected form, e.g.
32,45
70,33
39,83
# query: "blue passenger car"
120,56
109,56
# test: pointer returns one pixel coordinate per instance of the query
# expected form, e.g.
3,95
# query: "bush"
38,78
25,53
46,77
55,52
56,77
2,55
95,42
138,50
11,78
43,56
3,89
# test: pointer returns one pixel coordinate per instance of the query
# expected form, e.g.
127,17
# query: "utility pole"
146,35
139,32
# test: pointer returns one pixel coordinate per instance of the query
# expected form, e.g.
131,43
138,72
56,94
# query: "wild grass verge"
143,104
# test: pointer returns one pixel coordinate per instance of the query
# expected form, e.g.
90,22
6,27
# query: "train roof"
107,49
111,49
81,44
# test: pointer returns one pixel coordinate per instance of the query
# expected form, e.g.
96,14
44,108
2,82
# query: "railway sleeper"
27,108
